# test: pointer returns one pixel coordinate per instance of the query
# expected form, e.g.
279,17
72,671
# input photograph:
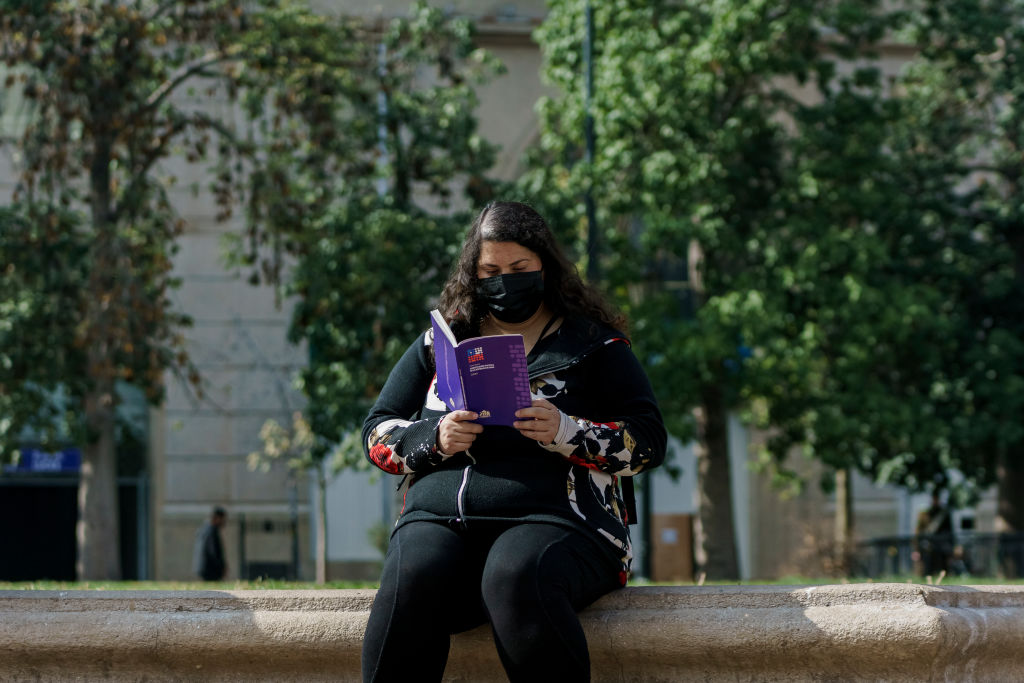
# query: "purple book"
487,375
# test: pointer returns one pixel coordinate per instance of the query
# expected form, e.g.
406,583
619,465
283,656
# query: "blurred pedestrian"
934,537
208,561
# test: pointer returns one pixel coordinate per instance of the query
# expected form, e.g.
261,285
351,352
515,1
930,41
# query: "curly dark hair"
565,293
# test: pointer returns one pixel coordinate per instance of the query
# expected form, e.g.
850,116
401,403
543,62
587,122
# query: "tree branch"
185,72
220,127
141,172
161,9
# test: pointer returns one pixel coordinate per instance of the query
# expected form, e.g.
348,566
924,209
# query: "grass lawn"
307,585
180,585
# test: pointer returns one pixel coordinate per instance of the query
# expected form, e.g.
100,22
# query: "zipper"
554,367
460,497
562,360
544,368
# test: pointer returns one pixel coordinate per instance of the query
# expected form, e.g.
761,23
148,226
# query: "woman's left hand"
539,422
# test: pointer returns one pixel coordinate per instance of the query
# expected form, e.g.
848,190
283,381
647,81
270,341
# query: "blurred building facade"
196,451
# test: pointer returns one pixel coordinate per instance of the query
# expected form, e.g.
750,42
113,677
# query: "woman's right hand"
457,431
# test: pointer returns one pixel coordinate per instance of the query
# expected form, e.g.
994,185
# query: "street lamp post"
593,267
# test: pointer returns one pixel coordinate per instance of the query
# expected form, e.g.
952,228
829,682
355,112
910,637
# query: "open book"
487,375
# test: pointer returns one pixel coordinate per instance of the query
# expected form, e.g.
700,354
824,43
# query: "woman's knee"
515,569
511,582
423,555
546,564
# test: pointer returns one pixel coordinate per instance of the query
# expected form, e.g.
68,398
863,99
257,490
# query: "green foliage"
365,287
964,105
910,385
109,90
364,205
106,91
365,111
292,447
866,327
845,264
95,83
41,287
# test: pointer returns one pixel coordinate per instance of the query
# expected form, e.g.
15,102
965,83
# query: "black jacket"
611,427
208,554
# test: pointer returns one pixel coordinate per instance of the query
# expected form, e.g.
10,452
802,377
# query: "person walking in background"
934,537
208,561
520,526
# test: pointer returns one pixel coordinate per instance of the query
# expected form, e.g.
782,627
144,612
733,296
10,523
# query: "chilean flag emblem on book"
475,354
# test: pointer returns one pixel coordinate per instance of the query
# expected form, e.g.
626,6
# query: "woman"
518,526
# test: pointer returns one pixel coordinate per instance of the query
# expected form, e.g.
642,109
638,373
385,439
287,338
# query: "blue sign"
36,460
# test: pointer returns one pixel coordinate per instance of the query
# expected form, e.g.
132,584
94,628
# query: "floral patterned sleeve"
626,435
392,440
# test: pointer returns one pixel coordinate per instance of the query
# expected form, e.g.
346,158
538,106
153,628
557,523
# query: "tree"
968,124
102,85
369,217
692,147
866,330
926,393
846,258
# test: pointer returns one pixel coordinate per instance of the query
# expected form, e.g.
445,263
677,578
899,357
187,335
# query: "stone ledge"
893,632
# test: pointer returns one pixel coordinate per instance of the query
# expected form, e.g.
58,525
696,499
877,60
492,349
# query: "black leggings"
527,580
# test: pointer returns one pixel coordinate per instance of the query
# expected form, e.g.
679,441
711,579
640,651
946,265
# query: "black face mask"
514,297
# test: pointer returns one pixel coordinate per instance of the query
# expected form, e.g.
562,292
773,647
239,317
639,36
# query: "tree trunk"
843,551
97,532
321,527
1009,515
98,529
1009,510
716,538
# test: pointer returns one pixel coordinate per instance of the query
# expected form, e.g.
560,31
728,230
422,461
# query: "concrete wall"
199,445
198,456
864,632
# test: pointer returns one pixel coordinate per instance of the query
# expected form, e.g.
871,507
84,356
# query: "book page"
449,382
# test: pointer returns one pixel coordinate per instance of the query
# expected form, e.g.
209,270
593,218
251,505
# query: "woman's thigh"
536,578
431,572
548,561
